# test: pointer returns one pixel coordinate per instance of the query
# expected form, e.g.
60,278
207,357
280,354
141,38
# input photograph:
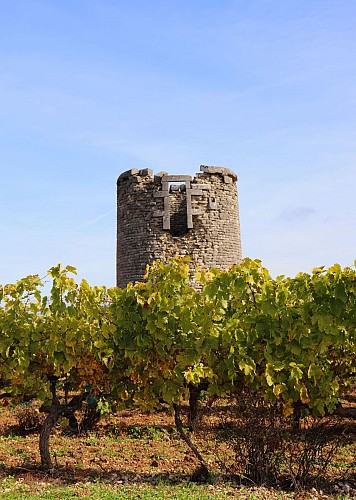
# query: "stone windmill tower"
165,215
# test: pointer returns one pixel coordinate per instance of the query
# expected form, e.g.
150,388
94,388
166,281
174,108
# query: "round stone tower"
165,215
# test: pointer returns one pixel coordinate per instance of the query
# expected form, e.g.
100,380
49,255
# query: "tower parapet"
165,215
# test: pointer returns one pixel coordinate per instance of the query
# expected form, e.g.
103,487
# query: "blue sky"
89,89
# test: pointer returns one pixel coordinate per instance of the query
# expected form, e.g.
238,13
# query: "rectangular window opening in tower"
178,209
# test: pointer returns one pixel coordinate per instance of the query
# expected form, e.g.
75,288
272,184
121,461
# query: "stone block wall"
165,215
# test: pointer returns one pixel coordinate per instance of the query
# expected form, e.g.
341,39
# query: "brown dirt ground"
134,447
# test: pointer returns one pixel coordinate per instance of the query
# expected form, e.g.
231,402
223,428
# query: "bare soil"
131,447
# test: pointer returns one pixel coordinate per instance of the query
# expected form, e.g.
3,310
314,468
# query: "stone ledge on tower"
225,172
134,172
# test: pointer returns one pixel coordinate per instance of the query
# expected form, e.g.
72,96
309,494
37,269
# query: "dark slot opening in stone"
178,213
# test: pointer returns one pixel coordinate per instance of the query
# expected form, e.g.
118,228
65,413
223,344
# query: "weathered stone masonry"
166,215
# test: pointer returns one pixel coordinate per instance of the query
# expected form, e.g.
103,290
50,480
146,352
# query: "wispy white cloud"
94,220
297,213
